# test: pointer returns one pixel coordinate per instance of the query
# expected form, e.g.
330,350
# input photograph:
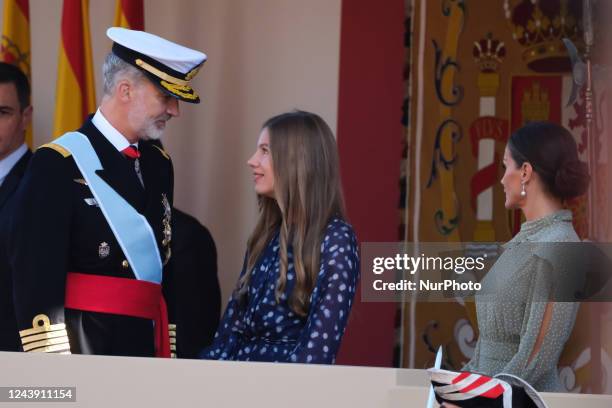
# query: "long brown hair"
307,192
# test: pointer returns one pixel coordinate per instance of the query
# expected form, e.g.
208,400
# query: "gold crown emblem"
535,105
540,26
489,53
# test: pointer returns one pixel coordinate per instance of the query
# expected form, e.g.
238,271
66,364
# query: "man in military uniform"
93,231
15,116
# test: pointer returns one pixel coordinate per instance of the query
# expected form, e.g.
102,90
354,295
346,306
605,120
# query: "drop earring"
523,192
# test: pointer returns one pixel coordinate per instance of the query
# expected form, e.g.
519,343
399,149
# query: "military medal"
167,232
103,250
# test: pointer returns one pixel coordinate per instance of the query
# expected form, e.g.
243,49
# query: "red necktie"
131,152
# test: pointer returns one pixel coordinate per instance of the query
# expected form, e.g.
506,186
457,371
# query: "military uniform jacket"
9,339
58,228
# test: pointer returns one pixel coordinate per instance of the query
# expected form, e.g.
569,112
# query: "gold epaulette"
57,148
163,152
172,334
45,337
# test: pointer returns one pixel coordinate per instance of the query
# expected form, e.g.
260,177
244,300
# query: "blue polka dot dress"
269,331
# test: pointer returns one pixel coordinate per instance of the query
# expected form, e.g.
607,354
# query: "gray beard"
147,132
153,134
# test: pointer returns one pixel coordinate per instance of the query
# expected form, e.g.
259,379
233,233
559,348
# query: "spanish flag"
129,14
75,96
15,44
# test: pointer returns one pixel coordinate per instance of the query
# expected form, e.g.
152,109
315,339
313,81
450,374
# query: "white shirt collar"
7,164
110,133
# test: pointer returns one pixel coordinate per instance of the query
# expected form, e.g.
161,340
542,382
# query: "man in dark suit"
15,116
92,232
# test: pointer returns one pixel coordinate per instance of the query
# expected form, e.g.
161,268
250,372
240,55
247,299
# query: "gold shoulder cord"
57,148
45,337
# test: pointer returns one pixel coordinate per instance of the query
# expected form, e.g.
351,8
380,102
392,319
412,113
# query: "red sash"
121,296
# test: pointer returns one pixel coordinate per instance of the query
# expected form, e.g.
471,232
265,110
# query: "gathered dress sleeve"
545,329
331,299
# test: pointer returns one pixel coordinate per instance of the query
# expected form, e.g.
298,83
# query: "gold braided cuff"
45,337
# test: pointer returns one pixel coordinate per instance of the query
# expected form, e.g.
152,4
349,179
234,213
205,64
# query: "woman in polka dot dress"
301,268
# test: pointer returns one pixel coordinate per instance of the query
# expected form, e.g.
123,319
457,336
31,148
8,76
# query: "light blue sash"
131,229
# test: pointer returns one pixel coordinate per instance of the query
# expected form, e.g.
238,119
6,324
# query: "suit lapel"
117,171
12,179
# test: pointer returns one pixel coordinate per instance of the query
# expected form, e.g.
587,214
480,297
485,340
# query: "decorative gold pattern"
489,53
160,74
57,148
184,91
448,197
543,51
535,105
543,33
80,181
45,337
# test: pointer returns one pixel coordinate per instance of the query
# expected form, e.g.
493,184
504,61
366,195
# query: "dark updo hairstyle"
551,151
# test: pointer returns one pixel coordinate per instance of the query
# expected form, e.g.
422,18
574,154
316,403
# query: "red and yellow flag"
75,95
15,44
129,14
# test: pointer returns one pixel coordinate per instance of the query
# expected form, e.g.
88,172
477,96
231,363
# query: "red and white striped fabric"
453,387
471,390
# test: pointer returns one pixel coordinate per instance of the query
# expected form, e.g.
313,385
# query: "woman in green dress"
522,332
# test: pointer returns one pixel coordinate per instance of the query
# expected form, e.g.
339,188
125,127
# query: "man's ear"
124,90
26,116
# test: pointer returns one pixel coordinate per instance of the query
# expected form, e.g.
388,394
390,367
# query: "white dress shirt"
109,132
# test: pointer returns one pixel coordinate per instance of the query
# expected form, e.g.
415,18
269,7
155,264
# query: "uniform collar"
109,132
7,164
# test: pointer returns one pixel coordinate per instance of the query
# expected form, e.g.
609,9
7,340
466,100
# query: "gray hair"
114,69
